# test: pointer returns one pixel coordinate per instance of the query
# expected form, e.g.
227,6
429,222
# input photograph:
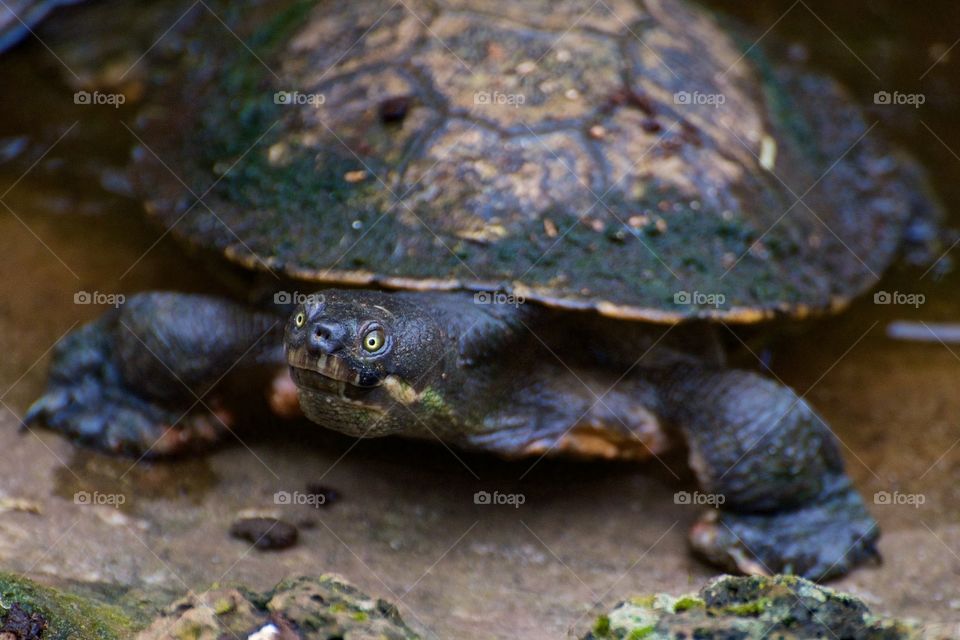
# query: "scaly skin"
513,379
140,379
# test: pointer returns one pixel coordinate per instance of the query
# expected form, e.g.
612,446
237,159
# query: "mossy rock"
306,608
64,615
745,608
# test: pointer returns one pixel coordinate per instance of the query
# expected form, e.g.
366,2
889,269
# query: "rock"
265,533
205,616
748,608
29,611
304,608
20,625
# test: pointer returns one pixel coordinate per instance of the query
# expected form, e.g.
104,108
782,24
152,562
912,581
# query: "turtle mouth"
327,374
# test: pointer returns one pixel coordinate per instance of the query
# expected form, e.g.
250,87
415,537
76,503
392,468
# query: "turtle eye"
374,339
299,320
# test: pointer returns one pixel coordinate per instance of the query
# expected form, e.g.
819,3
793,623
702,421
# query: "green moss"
752,608
360,616
68,616
601,627
642,632
223,606
643,601
687,602
433,400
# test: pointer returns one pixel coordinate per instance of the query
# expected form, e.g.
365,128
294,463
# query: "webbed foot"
139,379
819,540
788,506
87,399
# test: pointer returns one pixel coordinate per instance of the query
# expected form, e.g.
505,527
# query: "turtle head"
356,356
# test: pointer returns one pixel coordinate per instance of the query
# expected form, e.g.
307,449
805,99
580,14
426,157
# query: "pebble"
526,67
19,504
549,228
268,632
597,132
265,533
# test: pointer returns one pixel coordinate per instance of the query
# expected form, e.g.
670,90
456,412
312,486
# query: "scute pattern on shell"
605,156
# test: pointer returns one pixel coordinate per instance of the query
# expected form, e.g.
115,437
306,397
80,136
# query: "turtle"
512,226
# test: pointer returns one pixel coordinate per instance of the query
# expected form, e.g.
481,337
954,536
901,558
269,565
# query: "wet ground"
406,526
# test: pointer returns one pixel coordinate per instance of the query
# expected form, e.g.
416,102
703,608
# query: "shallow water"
407,528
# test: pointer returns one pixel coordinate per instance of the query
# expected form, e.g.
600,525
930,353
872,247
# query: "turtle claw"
87,400
127,425
819,540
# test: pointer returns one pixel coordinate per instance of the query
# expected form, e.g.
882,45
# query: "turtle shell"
633,158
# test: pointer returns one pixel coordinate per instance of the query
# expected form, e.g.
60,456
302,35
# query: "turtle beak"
327,366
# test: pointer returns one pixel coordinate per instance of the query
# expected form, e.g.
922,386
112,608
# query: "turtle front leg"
141,379
773,468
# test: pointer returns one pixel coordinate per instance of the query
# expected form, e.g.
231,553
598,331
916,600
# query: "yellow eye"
373,340
300,319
